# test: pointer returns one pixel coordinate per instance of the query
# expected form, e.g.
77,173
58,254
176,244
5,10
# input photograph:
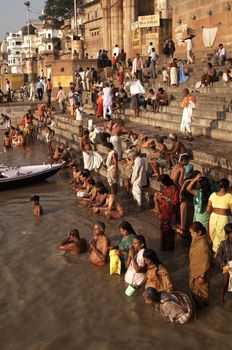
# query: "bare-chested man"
38,210
178,172
73,244
112,168
99,245
117,129
177,149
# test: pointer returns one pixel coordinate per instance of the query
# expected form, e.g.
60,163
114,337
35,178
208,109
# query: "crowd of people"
190,204
145,273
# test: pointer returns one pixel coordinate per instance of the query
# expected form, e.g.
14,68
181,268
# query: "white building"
14,50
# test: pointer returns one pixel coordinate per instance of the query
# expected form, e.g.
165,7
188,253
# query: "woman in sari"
200,188
199,264
167,207
99,112
175,307
186,206
220,209
127,235
157,275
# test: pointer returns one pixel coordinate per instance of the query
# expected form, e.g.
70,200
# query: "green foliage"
56,11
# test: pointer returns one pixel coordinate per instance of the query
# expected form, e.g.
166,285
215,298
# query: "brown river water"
49,304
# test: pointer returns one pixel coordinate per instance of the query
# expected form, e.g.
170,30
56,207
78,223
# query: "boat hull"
25,180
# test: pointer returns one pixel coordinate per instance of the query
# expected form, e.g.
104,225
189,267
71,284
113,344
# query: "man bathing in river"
73,244
38,210
6,141
99,245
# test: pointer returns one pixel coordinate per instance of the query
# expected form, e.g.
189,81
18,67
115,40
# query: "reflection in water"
47,303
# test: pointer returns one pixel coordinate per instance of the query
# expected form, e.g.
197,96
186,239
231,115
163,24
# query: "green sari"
200,210
125,245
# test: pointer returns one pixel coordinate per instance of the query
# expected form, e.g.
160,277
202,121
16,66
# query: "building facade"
14,42
130,24
209,20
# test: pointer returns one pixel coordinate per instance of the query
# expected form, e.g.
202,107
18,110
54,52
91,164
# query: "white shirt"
134,64
107,96
153,56
132,277
61,96
116,50
71,98
78,114
136,88
149,50
221,52
189,44
139,174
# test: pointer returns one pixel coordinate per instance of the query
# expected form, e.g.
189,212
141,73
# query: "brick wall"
192,15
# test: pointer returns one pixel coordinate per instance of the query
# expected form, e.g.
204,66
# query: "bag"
115,263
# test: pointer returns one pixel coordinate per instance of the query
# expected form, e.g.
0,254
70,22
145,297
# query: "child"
74,244
38,211
6,141
79,118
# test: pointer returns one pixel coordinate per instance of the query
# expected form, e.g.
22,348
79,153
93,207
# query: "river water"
47,303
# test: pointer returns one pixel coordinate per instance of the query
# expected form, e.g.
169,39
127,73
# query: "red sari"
99,106
169,214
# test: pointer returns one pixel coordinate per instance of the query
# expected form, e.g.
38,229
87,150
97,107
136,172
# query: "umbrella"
191,36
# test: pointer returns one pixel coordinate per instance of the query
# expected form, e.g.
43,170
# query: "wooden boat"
12,177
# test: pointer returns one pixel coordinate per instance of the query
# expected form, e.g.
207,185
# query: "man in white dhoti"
116,130
112,168
138,177
107,100
92,159
188,104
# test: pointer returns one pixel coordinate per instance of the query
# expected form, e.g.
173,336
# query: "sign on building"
149,21
136,38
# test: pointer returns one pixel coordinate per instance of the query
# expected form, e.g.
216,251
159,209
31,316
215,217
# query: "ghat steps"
206,157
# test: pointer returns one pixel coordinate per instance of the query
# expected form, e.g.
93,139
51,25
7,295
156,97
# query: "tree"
56,11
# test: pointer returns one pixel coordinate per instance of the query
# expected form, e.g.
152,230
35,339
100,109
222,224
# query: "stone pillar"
106,25
117,23
129,17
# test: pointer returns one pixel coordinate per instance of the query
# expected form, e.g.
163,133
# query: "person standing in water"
73,244
99,245
38,210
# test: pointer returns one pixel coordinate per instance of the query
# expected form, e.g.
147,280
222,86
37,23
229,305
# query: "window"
17,53
18,43
49,35
49,47
13,60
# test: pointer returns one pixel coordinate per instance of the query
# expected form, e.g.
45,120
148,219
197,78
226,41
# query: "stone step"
169,124
225,125
222,134
228,116
201,105
175,117
206,111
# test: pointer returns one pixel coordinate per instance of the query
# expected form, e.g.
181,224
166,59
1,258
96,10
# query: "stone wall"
190,16
16,112
93,29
